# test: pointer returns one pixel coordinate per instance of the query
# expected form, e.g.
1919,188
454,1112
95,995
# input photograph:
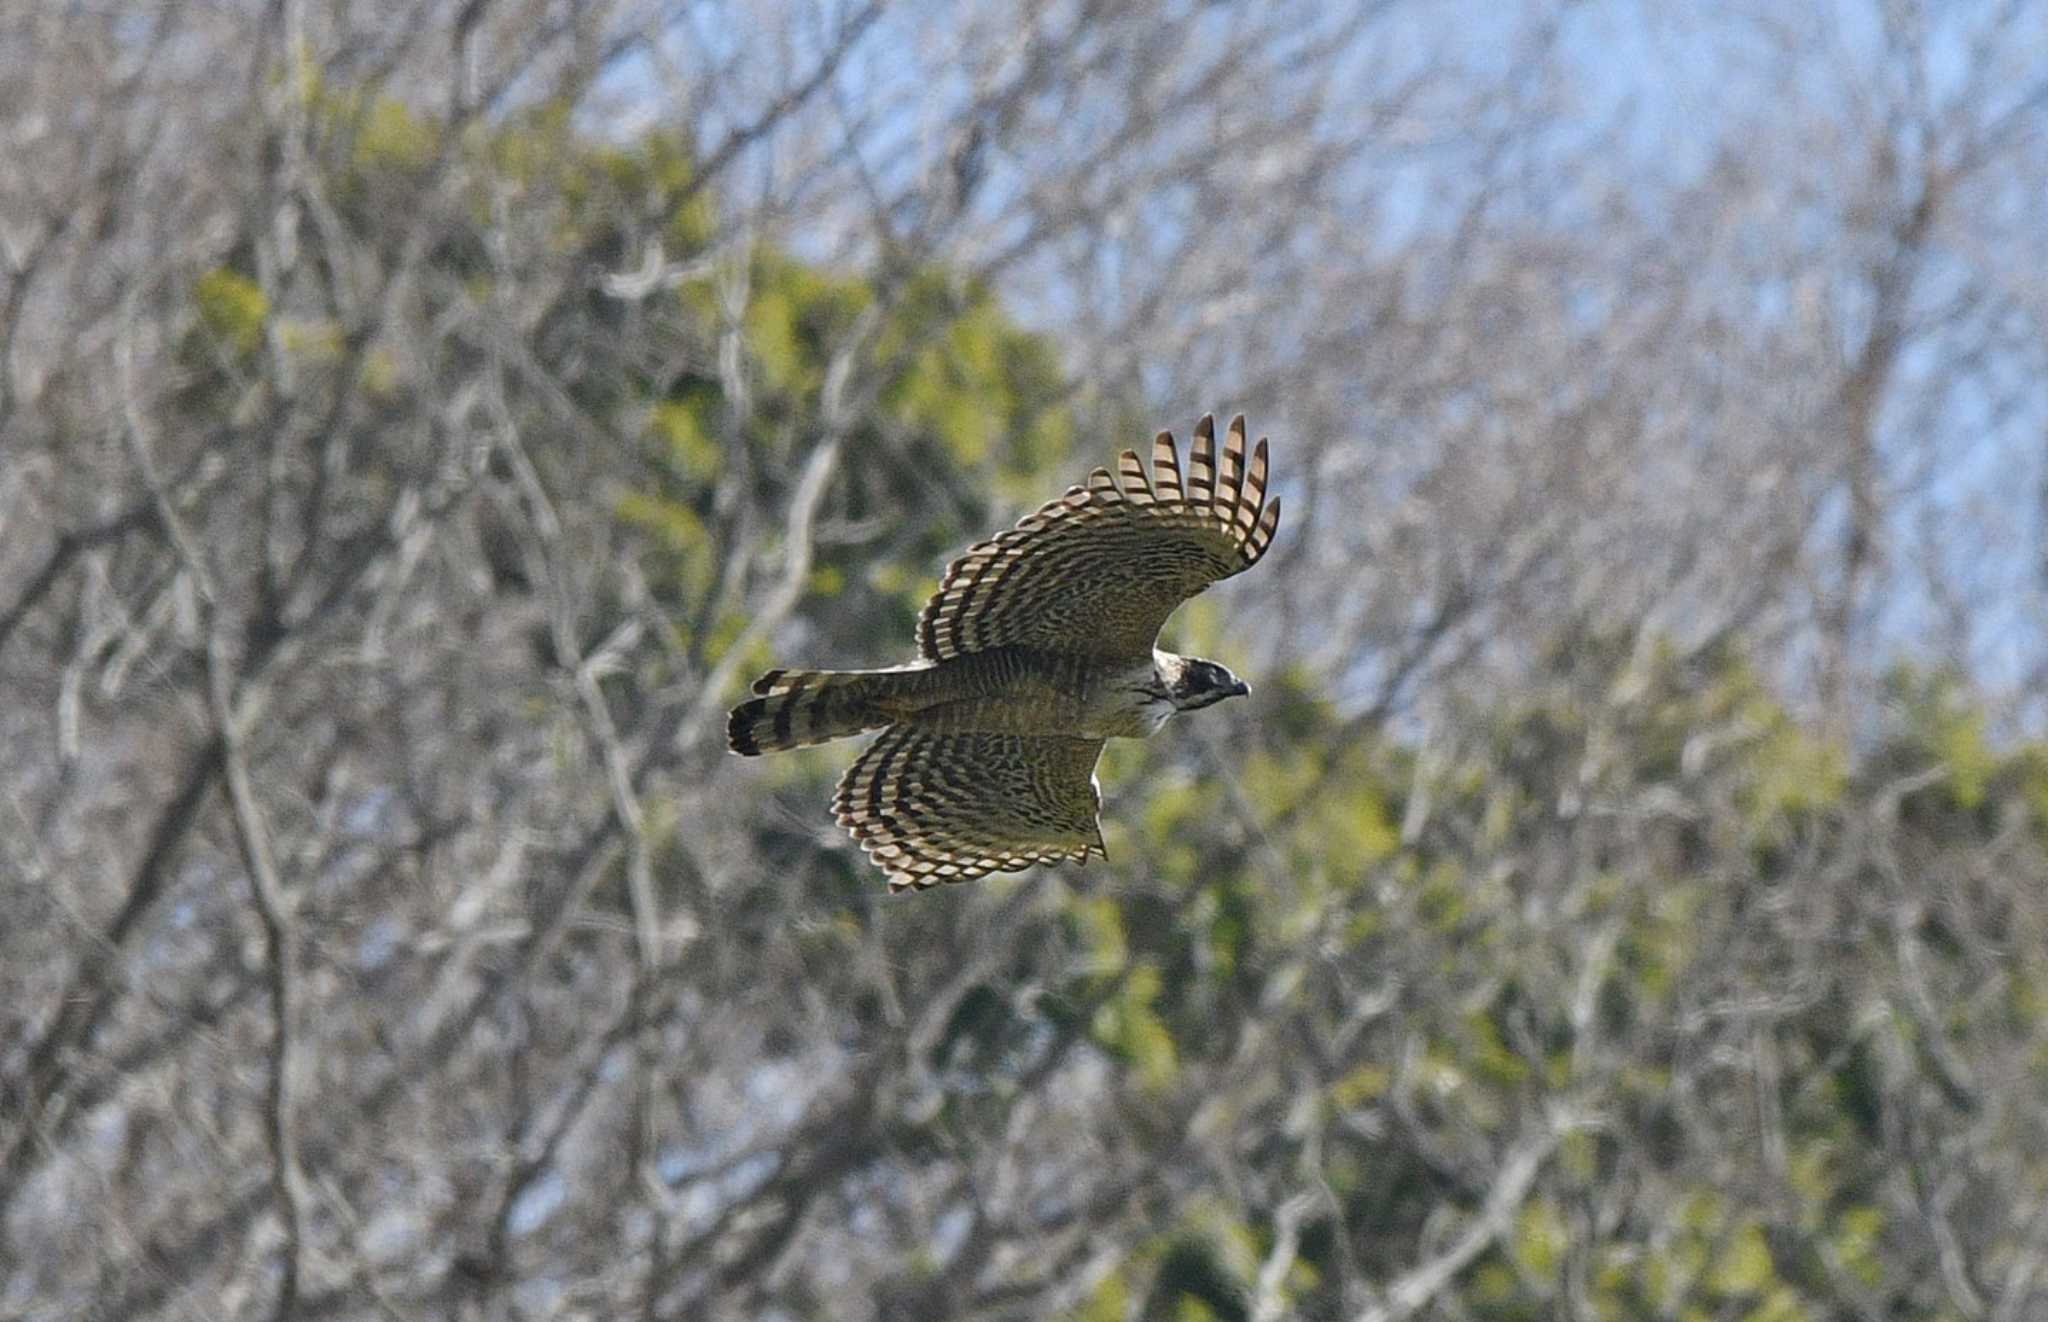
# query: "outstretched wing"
931,807
1100,569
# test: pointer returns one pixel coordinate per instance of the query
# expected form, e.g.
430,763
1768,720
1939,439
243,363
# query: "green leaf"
1744,1266
391,136
232,307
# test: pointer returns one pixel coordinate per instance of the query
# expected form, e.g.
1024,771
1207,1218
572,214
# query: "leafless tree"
1624,896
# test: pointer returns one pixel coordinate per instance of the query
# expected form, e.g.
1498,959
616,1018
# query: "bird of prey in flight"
1038,646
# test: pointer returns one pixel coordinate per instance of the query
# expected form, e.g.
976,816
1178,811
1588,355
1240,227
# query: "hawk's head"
1192,683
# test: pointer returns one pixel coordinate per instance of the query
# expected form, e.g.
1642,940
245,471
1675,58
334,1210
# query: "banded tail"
796,708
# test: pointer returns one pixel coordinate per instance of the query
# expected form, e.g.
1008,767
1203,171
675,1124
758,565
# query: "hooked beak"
1238,690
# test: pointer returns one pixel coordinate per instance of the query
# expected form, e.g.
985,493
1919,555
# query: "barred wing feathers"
1099,570
933,807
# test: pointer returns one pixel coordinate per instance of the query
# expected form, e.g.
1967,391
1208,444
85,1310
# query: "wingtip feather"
1230,478
1166,470
1262,535
1202,465
1137,488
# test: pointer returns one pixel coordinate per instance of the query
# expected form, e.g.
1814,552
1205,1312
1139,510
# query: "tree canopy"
1625,894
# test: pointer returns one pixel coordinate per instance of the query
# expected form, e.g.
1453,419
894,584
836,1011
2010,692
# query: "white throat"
1154,714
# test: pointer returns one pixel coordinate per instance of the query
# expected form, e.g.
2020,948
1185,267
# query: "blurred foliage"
1722,971
232,307
1257,896
1660,798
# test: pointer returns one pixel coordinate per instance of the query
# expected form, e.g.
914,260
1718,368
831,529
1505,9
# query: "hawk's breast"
1015,691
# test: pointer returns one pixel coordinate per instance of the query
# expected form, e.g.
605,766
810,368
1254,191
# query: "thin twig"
273,906
839,411
782,107
1415,1288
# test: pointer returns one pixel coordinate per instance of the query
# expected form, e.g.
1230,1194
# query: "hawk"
1038,646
